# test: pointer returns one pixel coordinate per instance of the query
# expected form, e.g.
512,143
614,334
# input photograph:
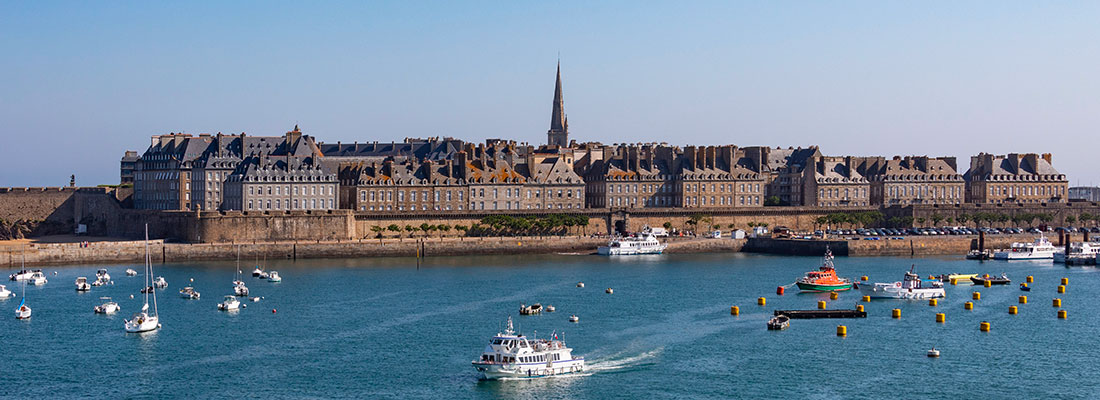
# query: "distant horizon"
856,78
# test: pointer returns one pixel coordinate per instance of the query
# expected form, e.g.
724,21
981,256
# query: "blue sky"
84,81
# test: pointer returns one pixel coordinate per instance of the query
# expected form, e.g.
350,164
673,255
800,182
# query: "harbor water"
382,328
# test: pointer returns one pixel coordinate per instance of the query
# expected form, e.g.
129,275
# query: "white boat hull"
23,314
897,292
626,251
107,309
145,325
529,370
1016,255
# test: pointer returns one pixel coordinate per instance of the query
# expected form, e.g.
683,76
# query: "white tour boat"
643,243
82,284
189,293
131,272
109,307
509,355
1040,249
23,275
5,293
38,278
142,321
1079,253
230,303
910,288
273,276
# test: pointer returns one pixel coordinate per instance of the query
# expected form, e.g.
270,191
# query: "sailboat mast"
149,261
148,271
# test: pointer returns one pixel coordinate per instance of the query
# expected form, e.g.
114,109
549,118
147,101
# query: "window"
372,195
278,204
412,195
313,204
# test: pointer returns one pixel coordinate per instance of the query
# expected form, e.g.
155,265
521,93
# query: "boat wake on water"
618,362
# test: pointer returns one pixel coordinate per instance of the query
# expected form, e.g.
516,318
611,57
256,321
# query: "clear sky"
81,82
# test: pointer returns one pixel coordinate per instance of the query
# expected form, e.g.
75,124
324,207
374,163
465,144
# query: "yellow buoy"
1030,279
1061,288
933,302
954,281
1062,314
859,307
1023,299
866,298
833,295
821,305
1012,310
1065,281
735,310
968,305
976,296
1057,302
988,284
896,313
863,278
841,330
941,318
984,326
761,301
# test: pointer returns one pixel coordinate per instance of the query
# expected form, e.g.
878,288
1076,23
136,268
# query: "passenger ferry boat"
1079,254
643,243
824,279
909,288
509,355
1040,249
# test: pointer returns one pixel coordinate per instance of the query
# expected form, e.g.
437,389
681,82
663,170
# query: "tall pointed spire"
558,135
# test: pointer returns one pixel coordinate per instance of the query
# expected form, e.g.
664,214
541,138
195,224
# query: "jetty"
811,314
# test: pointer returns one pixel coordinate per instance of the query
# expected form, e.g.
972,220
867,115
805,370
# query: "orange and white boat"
824,279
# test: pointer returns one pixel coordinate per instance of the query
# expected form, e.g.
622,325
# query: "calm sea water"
380,328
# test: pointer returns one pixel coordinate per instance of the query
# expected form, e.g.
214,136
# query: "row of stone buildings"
296,172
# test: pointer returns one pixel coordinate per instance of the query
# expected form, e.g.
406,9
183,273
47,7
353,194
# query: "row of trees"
507,225
411,230
992,219
851,219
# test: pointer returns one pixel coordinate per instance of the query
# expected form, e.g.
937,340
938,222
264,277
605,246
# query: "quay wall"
907,246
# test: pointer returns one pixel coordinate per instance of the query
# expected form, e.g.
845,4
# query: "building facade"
913,180
834,182
1014,178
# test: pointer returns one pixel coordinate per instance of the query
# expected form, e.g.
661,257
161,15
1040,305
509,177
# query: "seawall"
907,246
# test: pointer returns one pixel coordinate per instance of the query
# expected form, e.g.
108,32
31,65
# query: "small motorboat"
580,284
240,290
257,272
933,353
108,307
147,289
82,284
131,272
779,322
550,308
530,309
102,275
5,293
38,279
980,255
958,278
255,299
189,293
273,276
1024,287
993,280
609,291
160,283
230,303
910,288
574,318
100,282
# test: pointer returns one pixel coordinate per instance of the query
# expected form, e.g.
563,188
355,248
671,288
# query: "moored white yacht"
142,321
189,293
509,355
5,293
1079,253
108,307
909,288
82,284
23,275
1040,249
102,275
230,303
257,272
131,272
273,276
38,278
160,283
642,243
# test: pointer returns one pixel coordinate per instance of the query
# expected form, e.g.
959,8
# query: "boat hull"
894,292
611,251
492,371
146,325
815,287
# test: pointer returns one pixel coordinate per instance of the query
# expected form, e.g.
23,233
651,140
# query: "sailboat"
142,321
23,312
239,288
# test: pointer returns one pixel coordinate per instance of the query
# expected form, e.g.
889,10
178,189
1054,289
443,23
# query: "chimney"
1046,157
429,170
711,155
689,152
1032,161
387,168
632,158
460,159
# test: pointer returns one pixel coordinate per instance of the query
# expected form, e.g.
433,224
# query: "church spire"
558,135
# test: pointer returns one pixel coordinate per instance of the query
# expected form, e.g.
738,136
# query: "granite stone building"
834,182
913,180
1014,178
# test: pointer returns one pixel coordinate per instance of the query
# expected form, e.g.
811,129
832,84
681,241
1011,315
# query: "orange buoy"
1012,310
863,278
761,301
841,330
1023,299
1062,314
779,290
1057,302
866,299
1065,281
859,307
941,318
273,310
976,296
1030,279
968,305
1061,288
735,310
896,313
984,326
821,305
933,302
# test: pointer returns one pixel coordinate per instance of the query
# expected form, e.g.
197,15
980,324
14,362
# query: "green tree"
920,221
936,218
772,201
667,225
394,228
962,218
377,230
1070,219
